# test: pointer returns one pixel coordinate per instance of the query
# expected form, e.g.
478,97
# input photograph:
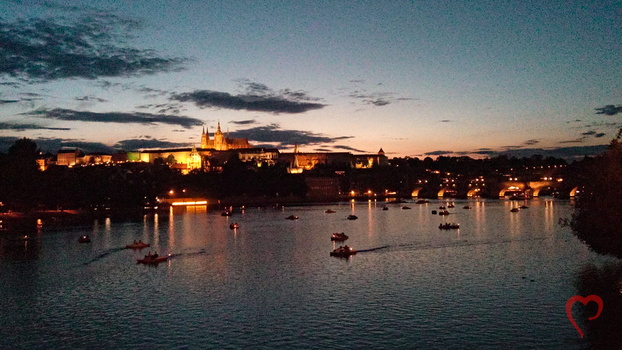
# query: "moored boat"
405,208
234,226
153,259
344,251
444,212
514,210
84,239
292,217
329,211
339,237
352,217
448,226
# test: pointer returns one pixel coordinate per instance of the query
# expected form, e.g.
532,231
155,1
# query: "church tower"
220,143
204,139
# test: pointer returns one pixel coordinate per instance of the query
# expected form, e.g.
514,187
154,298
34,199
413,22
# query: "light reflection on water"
501,281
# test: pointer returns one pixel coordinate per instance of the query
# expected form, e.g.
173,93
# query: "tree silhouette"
597,220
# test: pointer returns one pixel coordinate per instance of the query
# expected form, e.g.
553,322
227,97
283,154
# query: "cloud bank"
89,47
256,97
114,117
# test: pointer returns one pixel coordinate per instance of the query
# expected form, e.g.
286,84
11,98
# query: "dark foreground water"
501,281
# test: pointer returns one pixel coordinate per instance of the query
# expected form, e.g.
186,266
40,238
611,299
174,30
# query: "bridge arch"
445,191
511,188
474,192
575,191
415,192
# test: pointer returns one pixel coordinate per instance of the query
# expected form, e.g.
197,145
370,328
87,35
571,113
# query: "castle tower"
220,143
204,139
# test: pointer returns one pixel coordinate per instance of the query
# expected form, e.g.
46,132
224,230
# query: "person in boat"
346,248
154,256
148,256
134,243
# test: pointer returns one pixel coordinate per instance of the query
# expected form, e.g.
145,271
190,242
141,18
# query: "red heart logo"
584,300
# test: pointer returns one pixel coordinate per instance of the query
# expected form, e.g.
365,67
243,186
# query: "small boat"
447,226
150,260
385,208
442,207
405,208
234,226
467,207
352,217
226,213
343,252
524,207
422,201
137,245
514,210
339,237
444,212
434,212
84,239
292,217
329,211
451,206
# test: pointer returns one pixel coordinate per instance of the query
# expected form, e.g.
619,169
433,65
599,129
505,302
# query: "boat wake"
202,251
450,244
103,255
373,249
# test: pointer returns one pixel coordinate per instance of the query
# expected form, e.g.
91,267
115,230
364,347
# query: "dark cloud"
141,143
3,102
588,133
283,103
52,145
244,122
438,153
486,152
609,110
599,135
445,121
274,133
349,148
531,142
114,117
90,99
23,127
579,140
321,149
378,99
88,46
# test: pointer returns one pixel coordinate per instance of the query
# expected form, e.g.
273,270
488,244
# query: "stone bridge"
493,189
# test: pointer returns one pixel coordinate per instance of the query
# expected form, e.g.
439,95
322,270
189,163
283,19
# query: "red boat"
339,237
137,245
234,226
153,261
343,252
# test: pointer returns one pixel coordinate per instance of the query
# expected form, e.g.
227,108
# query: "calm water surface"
501,281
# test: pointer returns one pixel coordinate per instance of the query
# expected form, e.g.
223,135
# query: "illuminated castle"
222,142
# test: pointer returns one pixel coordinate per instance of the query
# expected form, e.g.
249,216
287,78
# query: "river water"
501,281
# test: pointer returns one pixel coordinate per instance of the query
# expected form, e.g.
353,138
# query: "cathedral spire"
219,126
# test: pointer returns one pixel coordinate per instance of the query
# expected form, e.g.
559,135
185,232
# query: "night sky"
417,78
